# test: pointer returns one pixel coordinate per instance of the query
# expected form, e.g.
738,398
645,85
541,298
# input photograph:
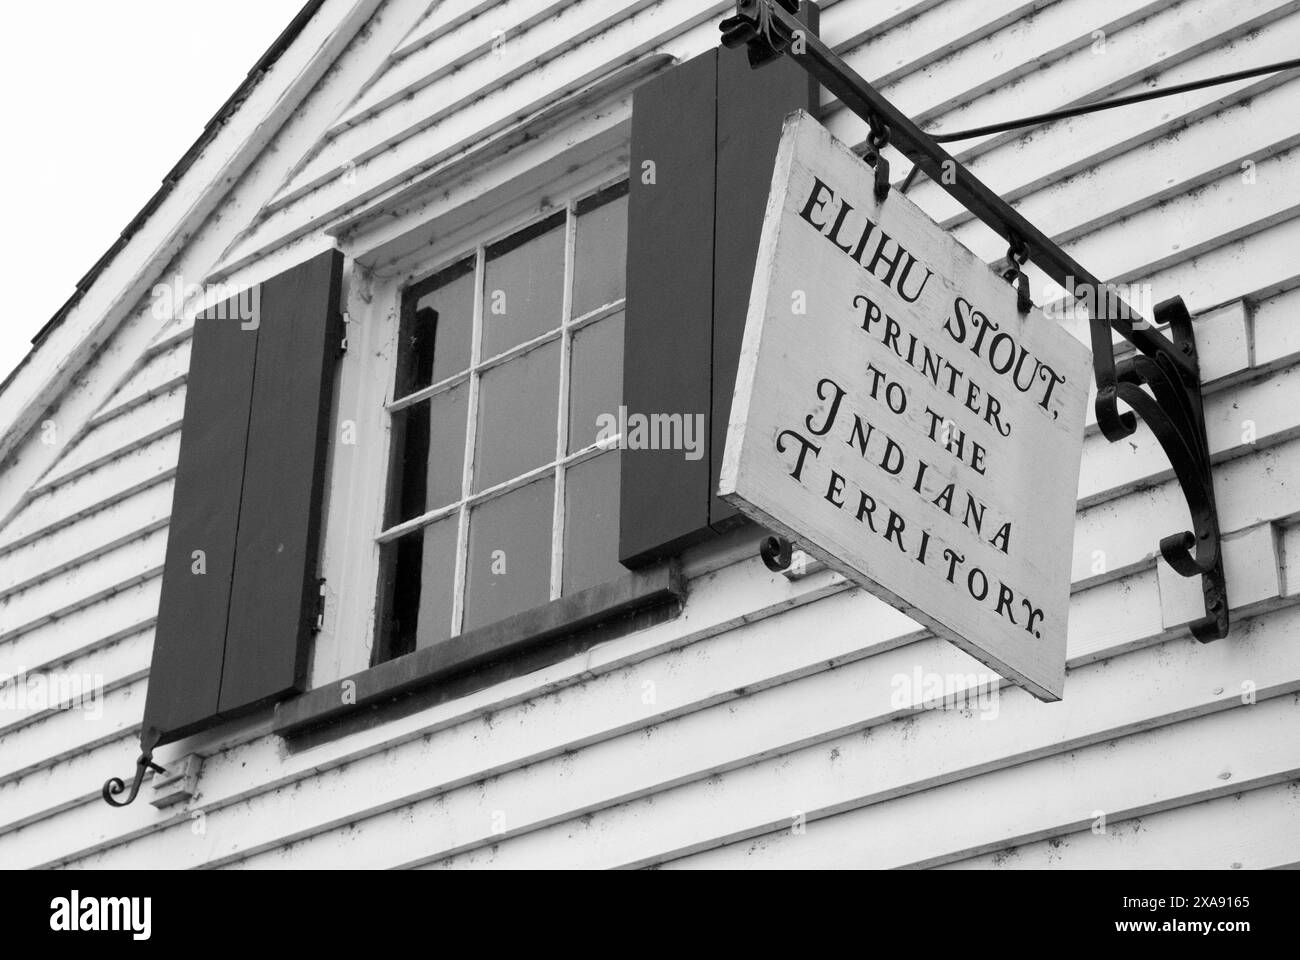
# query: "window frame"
359,477
561,461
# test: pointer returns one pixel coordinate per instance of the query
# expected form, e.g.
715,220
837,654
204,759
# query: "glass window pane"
516,416
595,378
419,574
591,523
509,567
428,454
600,250
523,294
437,321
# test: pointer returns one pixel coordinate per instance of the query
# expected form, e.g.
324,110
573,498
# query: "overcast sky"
100,101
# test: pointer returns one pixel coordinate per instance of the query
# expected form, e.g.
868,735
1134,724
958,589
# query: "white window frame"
359,471
559,465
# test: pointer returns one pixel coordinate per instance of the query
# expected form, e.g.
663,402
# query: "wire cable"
1124,101
1099,105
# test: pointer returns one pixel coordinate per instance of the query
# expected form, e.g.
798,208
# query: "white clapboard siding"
441,17
1256,280
537,51
509,189
160,374
705,674
349,180
69,733
892,54
686,37
1060,35
1168,48
1112,192
1277,335
1181,227
107,441
882,763
877,762
612,701
123,477
1254,830
1203,284
1114,616
546,727
82,681
97,624
490,35
495,111
1209,149
518,54
1142,773
1239,268
1289,546
845,25
772,661
84,540
83,584
694,742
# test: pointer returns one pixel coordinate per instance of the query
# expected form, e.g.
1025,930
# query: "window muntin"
431,351
525,280
500,499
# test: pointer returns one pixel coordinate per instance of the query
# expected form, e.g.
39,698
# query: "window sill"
511,647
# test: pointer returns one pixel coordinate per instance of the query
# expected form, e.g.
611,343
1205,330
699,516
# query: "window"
500,496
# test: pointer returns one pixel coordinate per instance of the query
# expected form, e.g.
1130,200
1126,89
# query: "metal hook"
114,785
1017,254
1024,303
776,553
877,139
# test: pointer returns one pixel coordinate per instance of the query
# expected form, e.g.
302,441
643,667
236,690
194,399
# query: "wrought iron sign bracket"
1169,371
115,786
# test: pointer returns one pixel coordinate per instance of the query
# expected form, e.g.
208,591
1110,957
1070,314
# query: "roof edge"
227,109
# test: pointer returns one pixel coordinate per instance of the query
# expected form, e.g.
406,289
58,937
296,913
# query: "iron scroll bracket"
115,786
1160,383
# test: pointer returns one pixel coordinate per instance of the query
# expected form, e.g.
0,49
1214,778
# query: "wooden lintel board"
995,410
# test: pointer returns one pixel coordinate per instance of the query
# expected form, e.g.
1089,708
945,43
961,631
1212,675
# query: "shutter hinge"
343,344
320,606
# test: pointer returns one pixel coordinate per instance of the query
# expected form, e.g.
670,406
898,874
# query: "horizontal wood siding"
760,728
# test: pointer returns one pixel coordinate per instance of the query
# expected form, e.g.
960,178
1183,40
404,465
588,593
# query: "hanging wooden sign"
897,417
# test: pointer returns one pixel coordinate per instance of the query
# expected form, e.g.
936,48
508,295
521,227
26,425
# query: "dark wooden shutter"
711,126
667,338
276,591
190,635
249,487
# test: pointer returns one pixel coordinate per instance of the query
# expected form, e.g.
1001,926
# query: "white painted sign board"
897,417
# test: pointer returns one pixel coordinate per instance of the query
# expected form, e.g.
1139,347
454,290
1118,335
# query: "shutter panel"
664,500
275,595
249,487
752,105
190,635
712,126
